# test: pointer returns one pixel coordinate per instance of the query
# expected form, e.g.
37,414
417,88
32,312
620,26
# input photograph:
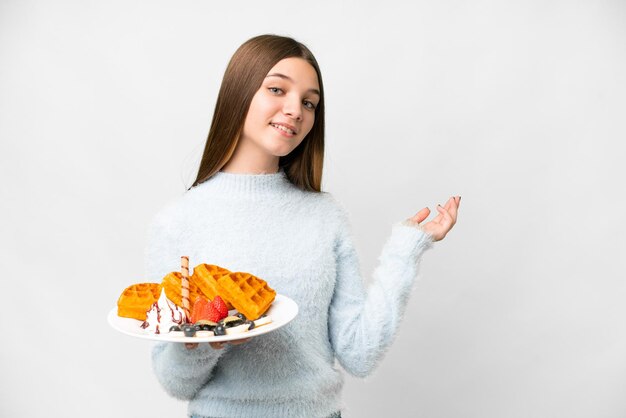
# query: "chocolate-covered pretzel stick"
184,266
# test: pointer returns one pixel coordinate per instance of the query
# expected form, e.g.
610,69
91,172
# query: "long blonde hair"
243,77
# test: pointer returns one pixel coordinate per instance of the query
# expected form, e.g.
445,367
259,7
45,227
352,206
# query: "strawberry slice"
219,305
212,314
200,309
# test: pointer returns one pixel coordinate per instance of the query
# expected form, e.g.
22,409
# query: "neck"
249,159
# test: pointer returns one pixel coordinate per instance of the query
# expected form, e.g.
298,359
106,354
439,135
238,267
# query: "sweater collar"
249,185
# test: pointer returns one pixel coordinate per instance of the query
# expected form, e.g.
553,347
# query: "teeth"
283,128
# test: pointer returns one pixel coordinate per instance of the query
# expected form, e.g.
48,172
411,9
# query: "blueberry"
174,328
231,321
241,316
251,326
189,330
219,330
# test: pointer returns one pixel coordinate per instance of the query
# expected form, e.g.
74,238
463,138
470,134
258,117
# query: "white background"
517,107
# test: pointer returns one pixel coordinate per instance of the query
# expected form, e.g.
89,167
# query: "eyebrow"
283,76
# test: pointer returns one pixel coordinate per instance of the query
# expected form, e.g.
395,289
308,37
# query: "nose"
292,108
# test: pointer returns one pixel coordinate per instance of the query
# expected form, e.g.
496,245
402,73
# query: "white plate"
282,311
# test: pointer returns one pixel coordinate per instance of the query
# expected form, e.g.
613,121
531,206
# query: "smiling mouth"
283,128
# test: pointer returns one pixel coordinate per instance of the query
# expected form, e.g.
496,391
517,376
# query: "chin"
282,154
279,151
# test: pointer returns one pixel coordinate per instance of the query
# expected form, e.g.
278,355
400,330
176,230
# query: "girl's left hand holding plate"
218,346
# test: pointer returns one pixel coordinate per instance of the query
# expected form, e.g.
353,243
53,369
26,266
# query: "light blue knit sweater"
300,243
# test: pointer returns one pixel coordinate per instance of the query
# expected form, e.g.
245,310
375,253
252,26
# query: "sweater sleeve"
363,321
182,372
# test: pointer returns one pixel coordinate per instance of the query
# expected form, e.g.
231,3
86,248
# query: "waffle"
205,277
248,294
137,299
173,288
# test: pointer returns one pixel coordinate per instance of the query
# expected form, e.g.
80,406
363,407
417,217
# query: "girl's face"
282,111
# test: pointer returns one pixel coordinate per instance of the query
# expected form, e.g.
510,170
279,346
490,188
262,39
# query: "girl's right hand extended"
439,227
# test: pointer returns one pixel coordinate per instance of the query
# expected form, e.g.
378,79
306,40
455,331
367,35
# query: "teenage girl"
256,206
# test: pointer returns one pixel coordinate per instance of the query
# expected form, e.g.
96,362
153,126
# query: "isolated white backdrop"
519,108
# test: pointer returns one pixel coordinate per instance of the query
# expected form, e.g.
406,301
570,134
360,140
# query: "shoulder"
196,199
325,204
328,214
161,222
173,211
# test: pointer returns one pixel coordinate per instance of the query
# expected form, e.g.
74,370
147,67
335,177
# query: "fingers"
446,206
452,207
420,216
190,346
440,226
237,342
448,216
443,222
447,220
219,346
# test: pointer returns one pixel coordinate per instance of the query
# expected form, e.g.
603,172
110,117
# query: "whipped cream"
162,315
